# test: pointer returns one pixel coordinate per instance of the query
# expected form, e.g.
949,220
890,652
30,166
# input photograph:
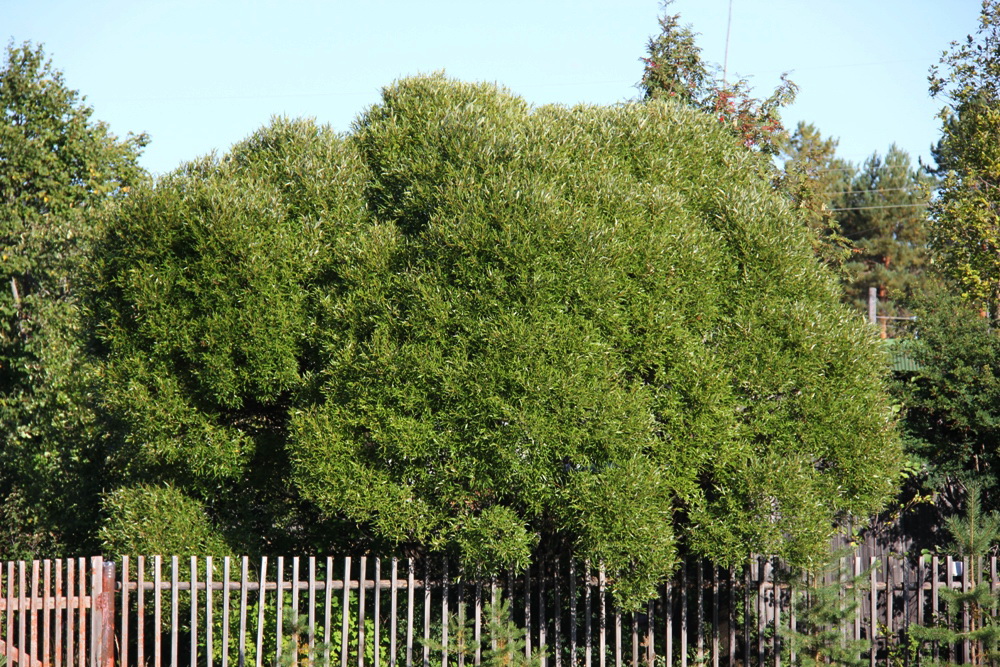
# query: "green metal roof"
900,358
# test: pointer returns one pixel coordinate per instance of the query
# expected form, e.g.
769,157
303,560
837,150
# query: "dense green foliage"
470,325
885,217
952,403
965,233
56,164
145,520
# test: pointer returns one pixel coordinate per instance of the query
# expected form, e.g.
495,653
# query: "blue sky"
199,75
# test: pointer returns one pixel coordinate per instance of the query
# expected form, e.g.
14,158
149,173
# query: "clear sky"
198,75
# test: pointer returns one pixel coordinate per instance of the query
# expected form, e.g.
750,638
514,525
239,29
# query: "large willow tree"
477,327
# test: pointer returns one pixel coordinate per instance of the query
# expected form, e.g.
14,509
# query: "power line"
861,169
867,208
854,192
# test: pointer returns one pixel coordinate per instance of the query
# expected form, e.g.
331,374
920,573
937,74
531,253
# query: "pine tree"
824,609
674,69
885,216
973,534
815,180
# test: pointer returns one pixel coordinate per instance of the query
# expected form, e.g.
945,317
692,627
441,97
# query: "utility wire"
861,169
854,192
868,208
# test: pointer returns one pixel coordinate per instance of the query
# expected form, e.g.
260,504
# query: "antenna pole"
725,57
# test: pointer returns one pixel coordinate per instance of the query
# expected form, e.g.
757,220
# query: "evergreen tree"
57,164
673,69
885,216
824,610
815,180
970,618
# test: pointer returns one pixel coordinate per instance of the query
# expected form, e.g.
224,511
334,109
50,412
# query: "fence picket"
477,624
58,624
588,616
602,628
635,639
934,597
241,656
70,591
716,603
261,596
208,615
394,616
125,614
362,578
732,616
346,597
699,620
295,610
761,569
776,605
668,619
328,611
280,608
873,596
557,612
409,613
427,613
33,620
193,564
650,646
21,625
82,644
226,573
618,638
949,582
572,613
462,642
312,611
684,615
376,634
47,612
174,609
55,612
157,618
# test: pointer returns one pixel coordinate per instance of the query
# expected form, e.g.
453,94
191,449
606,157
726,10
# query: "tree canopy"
56,163
965,229
952,421
885,215
470,324
815,179
674,69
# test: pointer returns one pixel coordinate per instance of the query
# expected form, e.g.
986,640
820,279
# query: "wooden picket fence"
57,612
371,612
